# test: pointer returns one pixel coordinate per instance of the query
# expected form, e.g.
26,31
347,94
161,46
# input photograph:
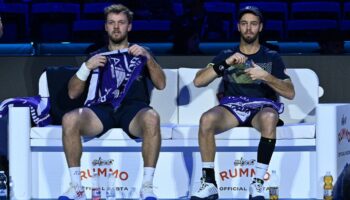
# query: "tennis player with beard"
253,78
121,100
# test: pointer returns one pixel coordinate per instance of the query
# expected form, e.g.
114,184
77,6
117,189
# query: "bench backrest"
183,103
163,101
303,107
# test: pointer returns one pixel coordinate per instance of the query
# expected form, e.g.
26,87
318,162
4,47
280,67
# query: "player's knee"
268,123
70,121
268,118
151,119
269,135
151,124
208,120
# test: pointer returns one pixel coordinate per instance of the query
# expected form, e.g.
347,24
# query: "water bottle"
110,192
3,186
10,188
274,186
328,186
95,190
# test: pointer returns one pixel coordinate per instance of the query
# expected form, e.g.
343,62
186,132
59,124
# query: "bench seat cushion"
55,132
291,131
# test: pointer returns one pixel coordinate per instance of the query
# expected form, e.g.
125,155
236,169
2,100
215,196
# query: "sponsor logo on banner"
343,137
344,134
101,162
102,167
242,168
345,153
121,191
117,189
243,162
122,175
343,120
238,188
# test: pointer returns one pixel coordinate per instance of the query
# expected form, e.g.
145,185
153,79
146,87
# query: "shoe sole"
211,197
66,198
256,198
150,198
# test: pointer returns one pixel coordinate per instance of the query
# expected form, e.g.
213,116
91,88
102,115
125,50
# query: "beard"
117,40
249,39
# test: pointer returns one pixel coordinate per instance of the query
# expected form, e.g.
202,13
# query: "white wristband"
83,72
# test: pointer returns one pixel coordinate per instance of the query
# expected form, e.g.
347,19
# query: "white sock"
260,170
208,165
148,174
75,175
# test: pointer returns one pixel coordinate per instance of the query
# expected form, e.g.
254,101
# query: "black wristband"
219,68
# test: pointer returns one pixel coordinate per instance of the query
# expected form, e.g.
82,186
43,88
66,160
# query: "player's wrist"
83,72
220,67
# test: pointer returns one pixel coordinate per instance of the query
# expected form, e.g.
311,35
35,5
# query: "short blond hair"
119,8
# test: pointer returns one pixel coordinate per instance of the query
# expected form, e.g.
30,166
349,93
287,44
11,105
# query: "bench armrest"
19,125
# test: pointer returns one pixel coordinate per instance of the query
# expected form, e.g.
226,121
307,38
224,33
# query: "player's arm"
283,87
77,83
214,70
157,74
205,76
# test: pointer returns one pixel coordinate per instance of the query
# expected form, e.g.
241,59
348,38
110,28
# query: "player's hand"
236,58
256,72
137,50
96,61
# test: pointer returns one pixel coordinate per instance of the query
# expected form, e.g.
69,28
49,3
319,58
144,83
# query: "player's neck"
249,49
117,46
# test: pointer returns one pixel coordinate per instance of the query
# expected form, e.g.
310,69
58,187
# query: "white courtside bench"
307,146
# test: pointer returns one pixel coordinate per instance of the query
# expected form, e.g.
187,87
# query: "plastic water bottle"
274,186
110,192
3,186
10,188
96,190
328,186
